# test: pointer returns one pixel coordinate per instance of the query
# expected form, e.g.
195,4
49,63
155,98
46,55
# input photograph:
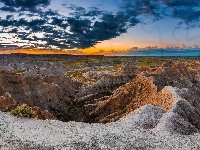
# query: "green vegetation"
81,62
78,74
145,62
18,71
76,67
23,111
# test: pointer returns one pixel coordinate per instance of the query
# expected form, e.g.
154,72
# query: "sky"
98,26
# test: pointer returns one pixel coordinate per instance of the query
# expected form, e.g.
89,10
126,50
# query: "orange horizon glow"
107,47
103,48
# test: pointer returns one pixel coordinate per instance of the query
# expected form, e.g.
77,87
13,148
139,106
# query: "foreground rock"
158,109
8,103
182,118
140,91
141,129
53,93
57,93
42,115
153,86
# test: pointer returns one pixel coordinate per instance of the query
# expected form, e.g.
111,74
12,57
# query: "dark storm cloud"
187,15
57,21
79,26
7,23
87,32
178,3
111,26
140,7
33,25
8,17
7,8
86,27
82,12
50,12
77,31
25,3
185,10
93,12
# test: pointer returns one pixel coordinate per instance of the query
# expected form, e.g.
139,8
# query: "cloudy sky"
98,26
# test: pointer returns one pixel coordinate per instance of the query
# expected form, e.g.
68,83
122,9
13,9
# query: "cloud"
25,3
80,26
58,21
178,3
79,12
187,15
50,12
86,27
8,9
140,7
9,17
76,31
93,12
185,10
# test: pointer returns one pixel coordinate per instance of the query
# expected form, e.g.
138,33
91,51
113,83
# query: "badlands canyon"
98,102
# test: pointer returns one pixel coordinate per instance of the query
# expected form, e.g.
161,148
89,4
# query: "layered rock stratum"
158,109
51,93
8,103
148,127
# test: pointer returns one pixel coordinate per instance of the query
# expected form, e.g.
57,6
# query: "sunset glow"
97,27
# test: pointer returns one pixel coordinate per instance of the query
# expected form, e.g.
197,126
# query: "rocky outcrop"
181,75
185,114
146,117
53,93
173,87
7,102
140,91
184,78
42,115
168,92
107,81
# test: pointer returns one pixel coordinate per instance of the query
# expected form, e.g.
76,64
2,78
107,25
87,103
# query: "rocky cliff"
8,103
173,87
140,91
53,93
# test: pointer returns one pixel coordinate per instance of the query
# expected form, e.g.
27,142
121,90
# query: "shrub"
23,111
18,71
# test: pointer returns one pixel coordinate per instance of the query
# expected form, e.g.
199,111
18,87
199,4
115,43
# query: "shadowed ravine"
154,99
59,94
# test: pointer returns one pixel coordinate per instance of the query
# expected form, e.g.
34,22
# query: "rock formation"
171,88
7,102
140,91
42,115
53,93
